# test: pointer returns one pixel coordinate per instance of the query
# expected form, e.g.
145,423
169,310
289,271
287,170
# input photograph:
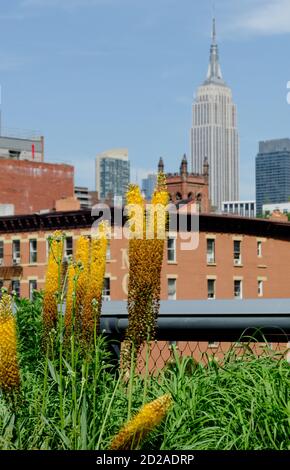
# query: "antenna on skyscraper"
213,23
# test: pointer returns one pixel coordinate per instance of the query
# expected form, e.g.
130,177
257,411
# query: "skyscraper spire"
214,74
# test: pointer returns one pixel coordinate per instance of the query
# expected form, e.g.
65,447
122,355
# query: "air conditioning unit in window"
16,261
106,298
1,261
237,261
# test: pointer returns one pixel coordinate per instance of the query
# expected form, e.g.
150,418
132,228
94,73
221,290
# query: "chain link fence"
157,355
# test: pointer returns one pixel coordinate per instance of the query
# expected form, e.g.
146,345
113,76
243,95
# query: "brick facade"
185,186
32,186
233,252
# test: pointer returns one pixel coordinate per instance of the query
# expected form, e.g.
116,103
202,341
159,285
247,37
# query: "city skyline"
134,86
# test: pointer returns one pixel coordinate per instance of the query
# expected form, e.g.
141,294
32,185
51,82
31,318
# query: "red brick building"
185,186
33,186
235,257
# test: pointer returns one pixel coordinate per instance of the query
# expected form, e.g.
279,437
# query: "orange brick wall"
33,186
190,269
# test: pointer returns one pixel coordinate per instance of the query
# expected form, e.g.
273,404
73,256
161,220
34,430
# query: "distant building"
214,132
241,208
112,173
84,197
272,173
148,185
185,186
33,186
20,148
283,207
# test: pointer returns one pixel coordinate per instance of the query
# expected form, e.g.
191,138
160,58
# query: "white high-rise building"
214,133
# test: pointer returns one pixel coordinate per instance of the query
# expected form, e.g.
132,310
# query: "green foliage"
243,403
29,326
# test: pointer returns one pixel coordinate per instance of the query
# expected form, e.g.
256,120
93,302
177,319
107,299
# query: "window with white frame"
68,246
171,249
237,252
108,251
32,251
15,287
32,288
260,288
1,251
106,294
238,289
16,251
211,288
171,288
210,251
259,249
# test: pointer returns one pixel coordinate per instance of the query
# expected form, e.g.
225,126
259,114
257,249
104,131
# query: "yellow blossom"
52,282
70,298
83,260
145,262
9,370
150,416
93,297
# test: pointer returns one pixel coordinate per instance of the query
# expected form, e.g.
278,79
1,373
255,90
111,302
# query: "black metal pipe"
209,320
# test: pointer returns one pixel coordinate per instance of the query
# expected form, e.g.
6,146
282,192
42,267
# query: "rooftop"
83,219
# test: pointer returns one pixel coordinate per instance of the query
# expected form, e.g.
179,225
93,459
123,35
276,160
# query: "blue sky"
96,74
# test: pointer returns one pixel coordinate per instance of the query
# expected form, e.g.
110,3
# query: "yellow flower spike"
93,298
70,298
83,259
150,416
9,370
136,206
52,286
145,261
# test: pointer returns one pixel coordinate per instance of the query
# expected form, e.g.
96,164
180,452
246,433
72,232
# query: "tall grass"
243,403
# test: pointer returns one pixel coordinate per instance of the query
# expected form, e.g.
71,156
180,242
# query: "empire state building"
214,132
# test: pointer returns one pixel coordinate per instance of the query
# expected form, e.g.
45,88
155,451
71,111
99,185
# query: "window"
210,255
16,251
32,251
14,154
106,295
47,249
108,252
32,288
171,284
238,294
211,288
1,285
237,252
1,251
260,288
259,249
15,285
68,246
171,249
213,344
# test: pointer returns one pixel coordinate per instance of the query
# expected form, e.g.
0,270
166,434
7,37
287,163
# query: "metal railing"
207,328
